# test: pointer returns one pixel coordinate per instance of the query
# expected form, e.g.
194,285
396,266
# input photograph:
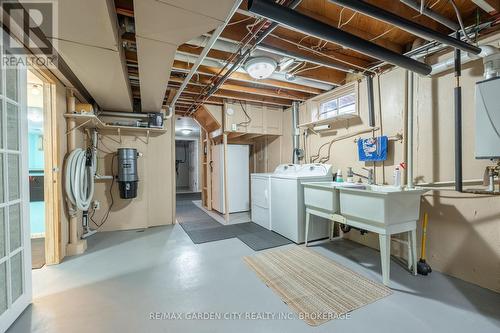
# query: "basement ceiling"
161,39
87,39
160,27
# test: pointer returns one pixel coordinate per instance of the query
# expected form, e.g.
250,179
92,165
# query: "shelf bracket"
144,141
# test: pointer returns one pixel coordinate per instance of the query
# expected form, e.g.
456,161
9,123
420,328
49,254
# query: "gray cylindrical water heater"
127,172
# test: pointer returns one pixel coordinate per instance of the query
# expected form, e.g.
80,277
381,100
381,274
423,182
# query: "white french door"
15,243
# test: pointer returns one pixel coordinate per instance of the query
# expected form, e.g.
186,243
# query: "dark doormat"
37,253
259,238
202,228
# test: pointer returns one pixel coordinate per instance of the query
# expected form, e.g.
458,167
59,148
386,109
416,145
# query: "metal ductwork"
405,24
431,14
486,52
310,26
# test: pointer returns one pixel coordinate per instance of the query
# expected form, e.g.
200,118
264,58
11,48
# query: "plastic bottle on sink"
339,178
397,177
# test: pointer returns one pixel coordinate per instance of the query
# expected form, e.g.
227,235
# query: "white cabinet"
238,178
273,121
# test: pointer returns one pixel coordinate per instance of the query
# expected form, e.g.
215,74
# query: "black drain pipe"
244,56
458,122
405,24
371,104
310,26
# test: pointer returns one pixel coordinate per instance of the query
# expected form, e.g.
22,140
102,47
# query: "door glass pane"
2,233
16,274
3,287
1,121
12,127
11,82
15,226
13,174
2,199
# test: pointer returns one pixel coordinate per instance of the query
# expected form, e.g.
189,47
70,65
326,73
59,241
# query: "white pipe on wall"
409,149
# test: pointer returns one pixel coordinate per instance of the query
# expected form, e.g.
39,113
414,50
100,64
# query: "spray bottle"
339,178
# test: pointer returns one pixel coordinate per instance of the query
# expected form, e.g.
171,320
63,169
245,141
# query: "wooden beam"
242,87
351,28
236,33
323,74
207,70
238,96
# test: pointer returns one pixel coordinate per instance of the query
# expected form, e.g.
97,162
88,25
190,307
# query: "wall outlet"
234,127
96,205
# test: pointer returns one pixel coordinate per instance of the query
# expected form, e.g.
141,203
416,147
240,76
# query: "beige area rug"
317,288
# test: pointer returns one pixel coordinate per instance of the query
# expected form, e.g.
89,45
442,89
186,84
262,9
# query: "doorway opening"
187,142
36,166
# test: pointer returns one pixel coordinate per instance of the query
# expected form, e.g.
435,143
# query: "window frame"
336,95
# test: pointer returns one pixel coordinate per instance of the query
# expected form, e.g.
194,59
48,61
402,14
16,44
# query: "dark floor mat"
200,224
202,228
262,240
199,236
188,197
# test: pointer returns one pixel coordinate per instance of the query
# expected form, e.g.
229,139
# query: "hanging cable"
460,21
249,119
79,175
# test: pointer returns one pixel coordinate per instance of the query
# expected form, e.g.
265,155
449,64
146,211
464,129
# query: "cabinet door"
217,169
274,120
235,121
256,113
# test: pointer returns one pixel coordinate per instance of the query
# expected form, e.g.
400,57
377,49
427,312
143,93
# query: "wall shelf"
92,121
328,121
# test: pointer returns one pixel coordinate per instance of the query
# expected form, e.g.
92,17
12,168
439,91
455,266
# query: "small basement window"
342,102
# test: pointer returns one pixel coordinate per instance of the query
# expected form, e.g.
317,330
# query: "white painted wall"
464,229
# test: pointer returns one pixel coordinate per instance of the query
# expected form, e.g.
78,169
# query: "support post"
458,122
75,246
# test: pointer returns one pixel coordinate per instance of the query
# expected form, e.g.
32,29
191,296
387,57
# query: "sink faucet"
368,178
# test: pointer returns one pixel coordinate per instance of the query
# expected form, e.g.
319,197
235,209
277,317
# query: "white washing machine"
261,194
287,202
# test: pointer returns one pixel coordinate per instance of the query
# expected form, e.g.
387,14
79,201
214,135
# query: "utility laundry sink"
324,196
380,204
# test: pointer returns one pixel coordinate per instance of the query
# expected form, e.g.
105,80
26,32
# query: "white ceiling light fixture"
186,131
260,67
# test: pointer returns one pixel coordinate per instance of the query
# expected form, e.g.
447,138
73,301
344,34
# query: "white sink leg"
414,250
411,258
385,256
308,216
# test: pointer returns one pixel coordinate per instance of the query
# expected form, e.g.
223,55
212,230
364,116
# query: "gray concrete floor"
127,275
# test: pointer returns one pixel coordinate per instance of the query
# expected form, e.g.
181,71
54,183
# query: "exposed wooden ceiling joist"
310,71
238,96
286,94
207,70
